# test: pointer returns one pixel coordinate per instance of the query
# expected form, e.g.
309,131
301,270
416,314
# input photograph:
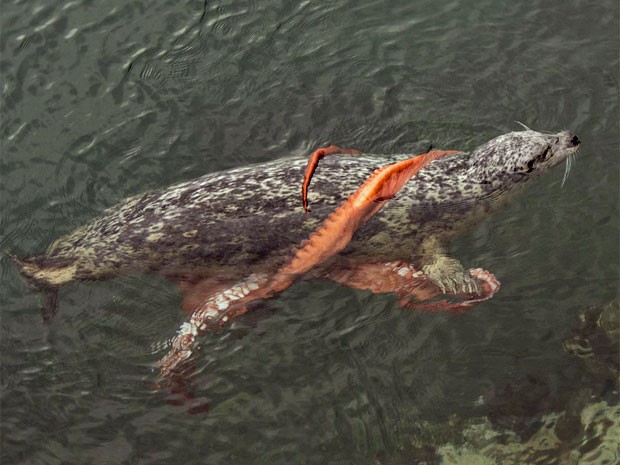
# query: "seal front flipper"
50,304
451,277
447,273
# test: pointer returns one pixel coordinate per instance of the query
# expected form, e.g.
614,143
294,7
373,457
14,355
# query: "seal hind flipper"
43,272
46,279
50,304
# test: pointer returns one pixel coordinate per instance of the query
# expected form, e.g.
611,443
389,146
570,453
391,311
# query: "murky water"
102,100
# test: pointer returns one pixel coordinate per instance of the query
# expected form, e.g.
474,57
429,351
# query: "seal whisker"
528,129
521,124
569,162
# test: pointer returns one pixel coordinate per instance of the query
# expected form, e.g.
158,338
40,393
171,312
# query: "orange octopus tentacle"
330,238
413,289
217,310
313,162
337,230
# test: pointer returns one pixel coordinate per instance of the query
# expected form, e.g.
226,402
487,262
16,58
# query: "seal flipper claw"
449,275
489,285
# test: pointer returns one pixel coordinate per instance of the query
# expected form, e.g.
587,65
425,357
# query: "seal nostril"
575,141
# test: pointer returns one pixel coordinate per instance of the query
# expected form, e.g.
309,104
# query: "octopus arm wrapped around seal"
413,289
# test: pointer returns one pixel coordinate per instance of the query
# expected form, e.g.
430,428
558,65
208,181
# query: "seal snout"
575,141
569,139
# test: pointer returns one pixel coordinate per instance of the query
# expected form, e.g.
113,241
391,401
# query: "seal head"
514,157
455,193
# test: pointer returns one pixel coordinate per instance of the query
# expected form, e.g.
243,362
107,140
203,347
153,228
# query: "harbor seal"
227,238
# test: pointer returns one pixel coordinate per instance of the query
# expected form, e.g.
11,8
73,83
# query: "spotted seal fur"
223,227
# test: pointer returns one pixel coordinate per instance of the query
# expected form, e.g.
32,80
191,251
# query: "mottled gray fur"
251,217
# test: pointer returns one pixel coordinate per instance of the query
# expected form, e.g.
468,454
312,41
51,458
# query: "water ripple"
105,100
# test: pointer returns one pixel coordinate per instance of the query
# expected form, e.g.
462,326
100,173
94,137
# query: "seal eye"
546,155
539,159
530,166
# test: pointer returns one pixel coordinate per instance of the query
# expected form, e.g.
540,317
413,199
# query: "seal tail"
46,277
42,272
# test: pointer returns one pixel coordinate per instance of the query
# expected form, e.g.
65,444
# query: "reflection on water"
107,99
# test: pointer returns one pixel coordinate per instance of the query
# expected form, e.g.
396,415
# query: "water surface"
102,100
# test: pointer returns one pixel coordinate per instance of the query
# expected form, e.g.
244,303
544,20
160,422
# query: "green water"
102,100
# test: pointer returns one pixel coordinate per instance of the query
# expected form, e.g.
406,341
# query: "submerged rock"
527,423
596,341
593,440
